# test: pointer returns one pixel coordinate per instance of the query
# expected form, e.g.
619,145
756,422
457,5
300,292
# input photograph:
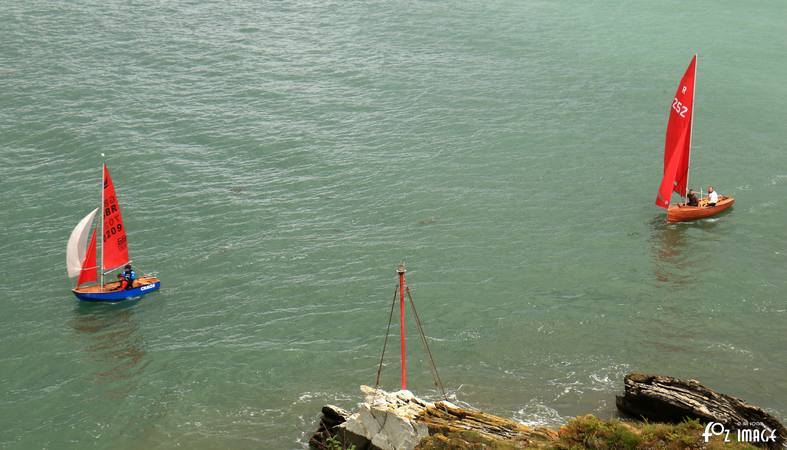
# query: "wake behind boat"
81,258
677,153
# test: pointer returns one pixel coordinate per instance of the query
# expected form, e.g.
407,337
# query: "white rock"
385,419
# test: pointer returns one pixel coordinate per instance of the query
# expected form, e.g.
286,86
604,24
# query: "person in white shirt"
713,197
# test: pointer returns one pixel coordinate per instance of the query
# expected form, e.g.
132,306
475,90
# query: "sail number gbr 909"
679,107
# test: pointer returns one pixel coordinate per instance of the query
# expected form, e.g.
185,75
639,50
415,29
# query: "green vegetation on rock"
589,432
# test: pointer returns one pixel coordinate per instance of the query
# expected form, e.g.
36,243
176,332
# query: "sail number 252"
679,107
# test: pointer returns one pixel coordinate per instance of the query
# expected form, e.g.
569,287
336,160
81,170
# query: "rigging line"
117,267
433,366
385,343
438,381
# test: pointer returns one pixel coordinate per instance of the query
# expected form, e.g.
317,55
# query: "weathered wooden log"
667,399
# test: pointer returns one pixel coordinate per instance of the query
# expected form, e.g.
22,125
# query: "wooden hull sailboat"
685,213
81,257
677,152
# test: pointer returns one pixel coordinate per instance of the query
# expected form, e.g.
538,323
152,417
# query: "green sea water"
275,161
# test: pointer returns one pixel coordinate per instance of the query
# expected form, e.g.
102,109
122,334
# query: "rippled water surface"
276,160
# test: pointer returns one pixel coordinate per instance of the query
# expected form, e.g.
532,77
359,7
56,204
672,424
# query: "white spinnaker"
77,245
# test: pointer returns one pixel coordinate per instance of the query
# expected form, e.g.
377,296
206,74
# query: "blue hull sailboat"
81,256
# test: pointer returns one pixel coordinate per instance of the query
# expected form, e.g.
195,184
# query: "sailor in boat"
713,197
123,284
691,198
129,275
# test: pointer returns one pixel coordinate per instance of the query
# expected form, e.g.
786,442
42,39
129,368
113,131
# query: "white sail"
77,245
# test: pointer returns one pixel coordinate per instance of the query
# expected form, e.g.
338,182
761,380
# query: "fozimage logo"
758,433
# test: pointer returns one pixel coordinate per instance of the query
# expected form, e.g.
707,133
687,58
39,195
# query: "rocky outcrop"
332,417
384,421
445,418
667,399
400,420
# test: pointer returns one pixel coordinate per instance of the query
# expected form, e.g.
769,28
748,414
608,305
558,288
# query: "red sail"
668,182
88,272
678,141
115,247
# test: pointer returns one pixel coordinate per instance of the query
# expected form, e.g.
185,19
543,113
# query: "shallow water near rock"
275,162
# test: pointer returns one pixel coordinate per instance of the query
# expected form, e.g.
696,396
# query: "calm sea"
275,161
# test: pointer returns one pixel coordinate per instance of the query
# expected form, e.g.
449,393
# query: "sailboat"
81,255
677,152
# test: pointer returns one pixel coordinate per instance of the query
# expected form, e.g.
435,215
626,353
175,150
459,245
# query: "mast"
691,126
101,220
401,270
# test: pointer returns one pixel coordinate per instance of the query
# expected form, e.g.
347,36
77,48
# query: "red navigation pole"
401,270
402,290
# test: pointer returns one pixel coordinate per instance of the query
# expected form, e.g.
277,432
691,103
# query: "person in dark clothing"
691,198
129,275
